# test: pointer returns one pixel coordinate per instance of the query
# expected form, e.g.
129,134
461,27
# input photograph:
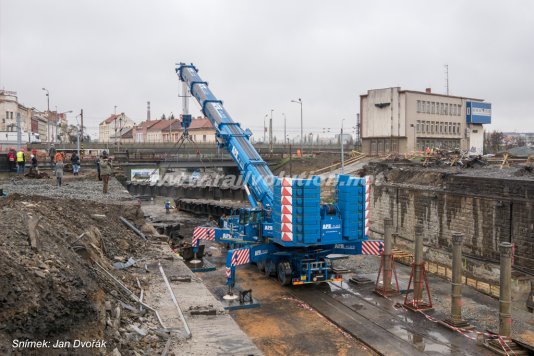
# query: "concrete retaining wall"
486,210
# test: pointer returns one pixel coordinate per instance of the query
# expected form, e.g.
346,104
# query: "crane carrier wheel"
284,273
261,265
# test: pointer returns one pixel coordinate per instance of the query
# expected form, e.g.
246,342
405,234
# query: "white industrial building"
402,121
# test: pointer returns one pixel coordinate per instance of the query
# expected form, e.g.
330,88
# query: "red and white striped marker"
240,257
373,248
287,209
367,203
203,233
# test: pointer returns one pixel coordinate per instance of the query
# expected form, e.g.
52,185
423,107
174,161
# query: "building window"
446,109
418,126
433,109
418,105
204,138
428,107
459,109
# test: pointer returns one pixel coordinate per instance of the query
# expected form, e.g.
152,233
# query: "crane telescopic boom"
256,174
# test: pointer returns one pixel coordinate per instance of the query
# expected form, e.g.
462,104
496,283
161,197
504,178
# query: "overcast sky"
258,55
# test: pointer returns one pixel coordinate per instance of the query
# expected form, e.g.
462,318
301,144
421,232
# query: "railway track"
382,324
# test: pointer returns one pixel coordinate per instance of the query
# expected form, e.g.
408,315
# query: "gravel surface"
72,188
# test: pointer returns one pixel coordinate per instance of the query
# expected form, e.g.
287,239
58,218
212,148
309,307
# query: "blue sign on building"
478,113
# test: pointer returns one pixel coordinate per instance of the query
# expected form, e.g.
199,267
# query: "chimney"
428,90
148,111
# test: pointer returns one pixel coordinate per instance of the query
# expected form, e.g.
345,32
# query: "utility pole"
19,133
81,128
78,143
120,132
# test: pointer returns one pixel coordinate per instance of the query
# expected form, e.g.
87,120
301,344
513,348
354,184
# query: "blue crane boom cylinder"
256,174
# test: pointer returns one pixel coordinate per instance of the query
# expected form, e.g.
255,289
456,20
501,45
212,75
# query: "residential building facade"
402,121
159,131
9,108
111,129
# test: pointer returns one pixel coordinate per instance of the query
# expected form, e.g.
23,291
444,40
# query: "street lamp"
271,132
284,115
342,156
47,114
301,130
264,127
47,99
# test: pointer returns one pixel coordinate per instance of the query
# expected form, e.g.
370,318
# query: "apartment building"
401,121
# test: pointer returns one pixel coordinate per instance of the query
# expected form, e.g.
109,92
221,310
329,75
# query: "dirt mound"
48,286
416,177
34,174
525,171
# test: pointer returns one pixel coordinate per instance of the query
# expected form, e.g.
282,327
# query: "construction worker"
167,206
21,162
59,157
59,171
11,158
34,163
105,170
52,154
75,160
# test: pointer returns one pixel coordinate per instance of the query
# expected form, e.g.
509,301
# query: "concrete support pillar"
418,262
505,294
388,261
456,284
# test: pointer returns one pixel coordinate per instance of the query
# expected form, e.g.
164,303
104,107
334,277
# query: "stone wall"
486,210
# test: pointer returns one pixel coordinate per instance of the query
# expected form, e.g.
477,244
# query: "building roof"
112,118
161,125
201,123
145,124
426,93
128,134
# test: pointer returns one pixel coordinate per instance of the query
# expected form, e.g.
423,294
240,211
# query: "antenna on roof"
447,78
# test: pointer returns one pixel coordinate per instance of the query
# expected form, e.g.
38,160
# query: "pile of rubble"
450,158
63,275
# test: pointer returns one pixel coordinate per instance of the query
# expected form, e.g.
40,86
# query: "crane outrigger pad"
244,298
203,266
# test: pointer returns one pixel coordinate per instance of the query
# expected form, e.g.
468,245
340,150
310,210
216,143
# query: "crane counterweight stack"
286,232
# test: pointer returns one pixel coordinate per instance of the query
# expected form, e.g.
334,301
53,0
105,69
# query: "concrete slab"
211,334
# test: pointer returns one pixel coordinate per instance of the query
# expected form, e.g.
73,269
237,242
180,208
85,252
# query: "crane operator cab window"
255,216
249,216
244,216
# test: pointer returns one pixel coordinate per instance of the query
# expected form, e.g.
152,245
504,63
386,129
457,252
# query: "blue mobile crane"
285,231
